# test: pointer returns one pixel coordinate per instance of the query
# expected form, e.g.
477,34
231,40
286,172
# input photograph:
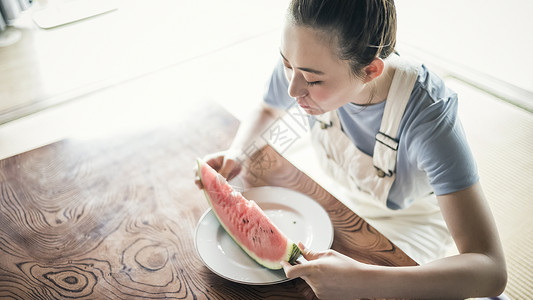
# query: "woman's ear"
374,69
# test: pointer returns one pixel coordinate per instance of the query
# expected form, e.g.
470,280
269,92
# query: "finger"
198,183
197,179
287,267
215,160
236,170
227,168
294,271
307,253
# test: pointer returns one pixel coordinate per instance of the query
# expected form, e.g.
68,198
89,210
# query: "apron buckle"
382,173
325,125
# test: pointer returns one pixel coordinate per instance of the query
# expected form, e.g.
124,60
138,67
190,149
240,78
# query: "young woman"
385,128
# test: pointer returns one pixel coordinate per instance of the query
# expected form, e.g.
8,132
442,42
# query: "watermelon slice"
246,222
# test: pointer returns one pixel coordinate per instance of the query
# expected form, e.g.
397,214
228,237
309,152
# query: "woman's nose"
297,87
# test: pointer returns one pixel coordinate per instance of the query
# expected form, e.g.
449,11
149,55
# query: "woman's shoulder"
432,130
431,100
431,113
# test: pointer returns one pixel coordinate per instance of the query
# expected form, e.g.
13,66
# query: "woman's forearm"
457,277
248,136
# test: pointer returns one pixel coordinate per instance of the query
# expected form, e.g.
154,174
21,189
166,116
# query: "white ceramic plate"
297,215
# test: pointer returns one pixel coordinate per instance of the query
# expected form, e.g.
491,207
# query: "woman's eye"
313,83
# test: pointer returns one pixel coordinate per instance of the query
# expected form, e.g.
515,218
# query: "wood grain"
115,218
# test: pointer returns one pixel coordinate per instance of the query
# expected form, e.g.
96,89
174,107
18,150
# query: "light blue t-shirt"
433,154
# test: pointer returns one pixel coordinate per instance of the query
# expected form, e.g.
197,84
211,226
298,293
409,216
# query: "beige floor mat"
501,137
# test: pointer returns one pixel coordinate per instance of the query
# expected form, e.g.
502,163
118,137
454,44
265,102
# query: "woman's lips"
302,105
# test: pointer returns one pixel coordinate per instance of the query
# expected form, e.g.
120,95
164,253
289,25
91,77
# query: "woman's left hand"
330,274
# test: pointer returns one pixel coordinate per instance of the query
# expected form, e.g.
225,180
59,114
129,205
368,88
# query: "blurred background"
87,69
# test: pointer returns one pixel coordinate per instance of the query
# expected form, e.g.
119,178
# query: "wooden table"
115,217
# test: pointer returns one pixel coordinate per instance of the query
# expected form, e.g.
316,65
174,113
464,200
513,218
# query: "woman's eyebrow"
308,70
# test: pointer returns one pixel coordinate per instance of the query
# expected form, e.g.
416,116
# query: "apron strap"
399,93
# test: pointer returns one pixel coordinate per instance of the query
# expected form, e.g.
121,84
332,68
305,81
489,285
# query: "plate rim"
209,210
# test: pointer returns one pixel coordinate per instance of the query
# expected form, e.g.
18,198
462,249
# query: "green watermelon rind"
291,253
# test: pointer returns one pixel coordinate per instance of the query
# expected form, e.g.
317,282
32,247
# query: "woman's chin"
313,111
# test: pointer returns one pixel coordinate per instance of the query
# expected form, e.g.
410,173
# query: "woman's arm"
254,125
479,269
248,134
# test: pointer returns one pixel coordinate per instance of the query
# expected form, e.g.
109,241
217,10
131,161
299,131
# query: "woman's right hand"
225,162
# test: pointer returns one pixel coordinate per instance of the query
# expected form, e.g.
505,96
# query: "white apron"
418,230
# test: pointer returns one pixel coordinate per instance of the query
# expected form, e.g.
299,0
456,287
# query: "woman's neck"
378,89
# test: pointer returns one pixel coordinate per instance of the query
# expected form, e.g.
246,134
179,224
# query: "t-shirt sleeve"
276,89
441,150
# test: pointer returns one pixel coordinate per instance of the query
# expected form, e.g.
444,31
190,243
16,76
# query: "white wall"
493,37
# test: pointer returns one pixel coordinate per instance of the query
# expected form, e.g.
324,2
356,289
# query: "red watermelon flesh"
246,222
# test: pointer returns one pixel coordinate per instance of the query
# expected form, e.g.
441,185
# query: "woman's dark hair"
363,29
